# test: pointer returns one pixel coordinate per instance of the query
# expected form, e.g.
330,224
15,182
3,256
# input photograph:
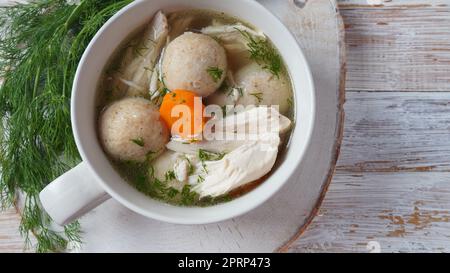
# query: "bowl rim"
233,211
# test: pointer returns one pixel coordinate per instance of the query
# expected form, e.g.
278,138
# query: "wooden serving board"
273,226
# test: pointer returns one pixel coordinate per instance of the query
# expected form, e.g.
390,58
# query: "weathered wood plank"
391,132
402,212
351,4
398,49
391,186
10,239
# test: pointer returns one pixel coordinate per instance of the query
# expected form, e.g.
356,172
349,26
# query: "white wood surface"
391,186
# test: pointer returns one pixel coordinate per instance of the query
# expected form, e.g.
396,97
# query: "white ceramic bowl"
99,51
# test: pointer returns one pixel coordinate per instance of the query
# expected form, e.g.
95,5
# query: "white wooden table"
392,185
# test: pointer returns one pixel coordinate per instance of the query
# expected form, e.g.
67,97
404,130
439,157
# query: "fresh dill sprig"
258,96
200,178
138,141
41,43
170,175
188,196
150,156
205,155
263,53
215,73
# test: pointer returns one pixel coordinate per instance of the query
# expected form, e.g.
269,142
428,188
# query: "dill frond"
263,53
215,73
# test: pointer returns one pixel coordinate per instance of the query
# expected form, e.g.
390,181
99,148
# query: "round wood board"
280,221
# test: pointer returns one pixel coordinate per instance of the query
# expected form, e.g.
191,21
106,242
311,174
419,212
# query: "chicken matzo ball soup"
196,108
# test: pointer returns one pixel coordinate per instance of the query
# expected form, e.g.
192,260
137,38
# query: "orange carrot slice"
178,110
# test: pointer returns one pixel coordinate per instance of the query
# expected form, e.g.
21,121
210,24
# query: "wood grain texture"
387,4
398,49
396,131
10,239
402,212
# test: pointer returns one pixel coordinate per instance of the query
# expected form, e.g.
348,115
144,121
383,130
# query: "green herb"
151,172
170,175
240,91
205,155
150,156
264,53
215,73
165,91
137,49
190,166
258,96
172,192
143,178
217,39
138,141
188,196
200,179
41,43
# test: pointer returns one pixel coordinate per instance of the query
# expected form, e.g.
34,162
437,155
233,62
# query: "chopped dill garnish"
151,172
138,141
172,192
200,179
170,175
215,73
240,91
151,41
137,50
205,155
187,196
263,53
258,96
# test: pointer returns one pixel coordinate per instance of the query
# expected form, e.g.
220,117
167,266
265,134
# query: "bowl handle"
72,195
